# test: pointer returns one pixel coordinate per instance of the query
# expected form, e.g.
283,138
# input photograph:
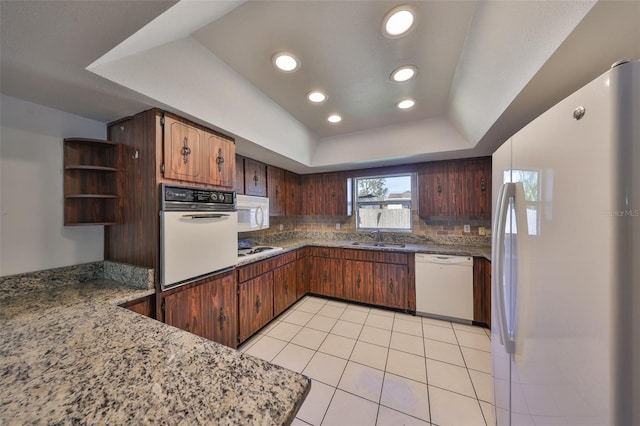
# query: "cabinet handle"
185,151
333,195
277,191
258,304
286,288
324,278
439,185
255,177
391,285
324,253
358,280
483,185
222,317
219,160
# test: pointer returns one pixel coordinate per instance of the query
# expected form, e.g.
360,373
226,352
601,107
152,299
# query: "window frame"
408,203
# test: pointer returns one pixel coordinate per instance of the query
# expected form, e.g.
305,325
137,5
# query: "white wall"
32,235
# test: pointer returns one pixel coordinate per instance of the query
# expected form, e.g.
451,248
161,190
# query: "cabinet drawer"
283,259
376,256
335,253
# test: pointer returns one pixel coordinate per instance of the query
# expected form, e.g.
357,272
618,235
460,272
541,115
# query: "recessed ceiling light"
403,73
316,96
398,21
334,118
406,103
285,62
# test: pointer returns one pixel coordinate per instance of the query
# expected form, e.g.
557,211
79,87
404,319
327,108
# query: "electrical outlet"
337,226
481,231
467,229
281,226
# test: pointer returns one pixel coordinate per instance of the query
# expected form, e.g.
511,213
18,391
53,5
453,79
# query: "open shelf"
91,182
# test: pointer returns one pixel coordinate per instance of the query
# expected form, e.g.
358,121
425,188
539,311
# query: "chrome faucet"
378,235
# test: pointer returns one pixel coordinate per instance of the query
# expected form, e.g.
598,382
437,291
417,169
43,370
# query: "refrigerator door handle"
507,192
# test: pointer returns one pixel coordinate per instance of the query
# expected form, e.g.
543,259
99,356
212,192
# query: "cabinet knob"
258,303
222,317
185,151
358,280
219,160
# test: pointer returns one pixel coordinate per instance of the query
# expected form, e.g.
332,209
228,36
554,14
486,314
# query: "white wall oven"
198,233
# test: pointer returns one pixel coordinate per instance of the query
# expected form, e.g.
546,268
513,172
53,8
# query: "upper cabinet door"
221,160
476,187
293,194
335,194
438,189
255,178
276,191
183,151
239,183
312,199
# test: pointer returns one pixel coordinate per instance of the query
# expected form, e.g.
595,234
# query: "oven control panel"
192,198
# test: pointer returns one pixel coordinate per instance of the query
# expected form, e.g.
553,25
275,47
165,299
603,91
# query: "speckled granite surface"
69,355
294,241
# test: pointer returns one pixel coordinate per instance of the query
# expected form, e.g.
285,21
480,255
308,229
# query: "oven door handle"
205,216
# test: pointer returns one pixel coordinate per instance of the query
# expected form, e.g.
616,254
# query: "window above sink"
383,203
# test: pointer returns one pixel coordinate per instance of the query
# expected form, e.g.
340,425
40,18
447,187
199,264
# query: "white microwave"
253,213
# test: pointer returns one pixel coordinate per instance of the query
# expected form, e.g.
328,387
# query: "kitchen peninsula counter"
69,354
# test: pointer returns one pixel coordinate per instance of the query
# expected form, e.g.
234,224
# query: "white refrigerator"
566,261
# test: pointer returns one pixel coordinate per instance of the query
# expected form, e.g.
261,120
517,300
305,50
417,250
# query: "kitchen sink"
357,243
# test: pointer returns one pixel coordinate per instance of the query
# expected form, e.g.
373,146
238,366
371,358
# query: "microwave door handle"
205,216
259,216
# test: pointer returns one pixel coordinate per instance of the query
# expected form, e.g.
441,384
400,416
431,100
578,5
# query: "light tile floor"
375,367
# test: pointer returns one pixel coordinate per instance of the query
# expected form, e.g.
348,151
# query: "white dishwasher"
444,286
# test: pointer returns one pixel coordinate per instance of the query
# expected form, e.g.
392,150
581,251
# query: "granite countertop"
69,354
291,244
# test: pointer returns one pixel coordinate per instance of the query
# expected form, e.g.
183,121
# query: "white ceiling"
486,69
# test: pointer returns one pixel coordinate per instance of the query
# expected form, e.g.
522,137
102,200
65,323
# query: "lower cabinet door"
326,277
221,297
358,281
207,309
255,304
390,285
284,287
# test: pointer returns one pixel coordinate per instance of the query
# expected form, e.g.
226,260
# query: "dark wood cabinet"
312,199
438,189
358,281
482,291
303,273
144,306
390,285
239,180
476,187
293,196
92,194
255,304
207,308
255,178
221,161
276,191
334,187
325,277
324,194
194,155
184,151
285,289
325,271
455,188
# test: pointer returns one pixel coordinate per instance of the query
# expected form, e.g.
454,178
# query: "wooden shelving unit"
91,176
